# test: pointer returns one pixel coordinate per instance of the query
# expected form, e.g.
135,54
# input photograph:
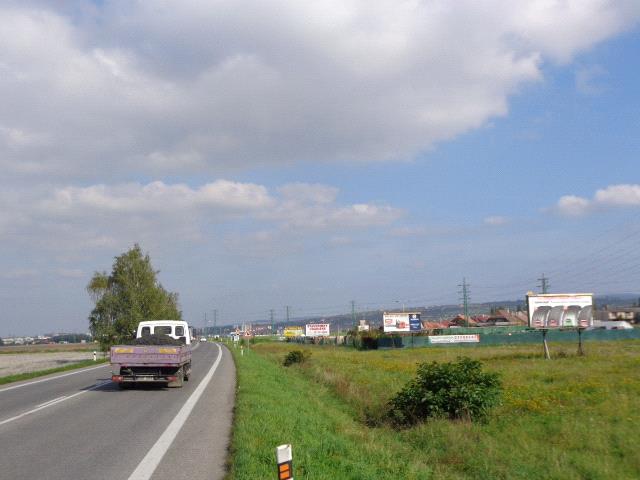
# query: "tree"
130,294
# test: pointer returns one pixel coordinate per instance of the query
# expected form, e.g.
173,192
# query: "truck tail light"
172,378
116,378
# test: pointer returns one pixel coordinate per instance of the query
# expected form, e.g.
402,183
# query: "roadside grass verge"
275,406
571,418
41,373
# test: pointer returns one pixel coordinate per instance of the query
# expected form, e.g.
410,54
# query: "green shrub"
454,390
295,356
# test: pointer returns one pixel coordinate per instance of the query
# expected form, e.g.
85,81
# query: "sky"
310,154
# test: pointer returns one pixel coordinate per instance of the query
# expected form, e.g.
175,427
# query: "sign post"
544,344
284,458
580,349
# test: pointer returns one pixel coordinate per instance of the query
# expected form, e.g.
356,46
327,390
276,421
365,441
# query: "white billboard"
402,322
560,310
474,338
317,329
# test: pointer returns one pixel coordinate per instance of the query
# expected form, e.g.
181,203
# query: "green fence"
518,337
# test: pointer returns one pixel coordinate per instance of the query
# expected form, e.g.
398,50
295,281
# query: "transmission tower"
353,312
465,299
544,284
271,313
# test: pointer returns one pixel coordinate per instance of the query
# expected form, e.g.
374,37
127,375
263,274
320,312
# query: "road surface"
79,425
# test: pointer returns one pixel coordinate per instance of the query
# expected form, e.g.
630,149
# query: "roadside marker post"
284,459
95,356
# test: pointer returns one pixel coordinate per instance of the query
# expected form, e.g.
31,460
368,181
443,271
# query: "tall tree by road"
130,294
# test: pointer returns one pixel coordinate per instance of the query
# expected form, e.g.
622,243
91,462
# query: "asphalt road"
81,426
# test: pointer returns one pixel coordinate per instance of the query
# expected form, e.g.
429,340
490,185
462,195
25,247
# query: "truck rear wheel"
179,379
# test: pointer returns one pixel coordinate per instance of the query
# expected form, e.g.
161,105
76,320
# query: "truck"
167,363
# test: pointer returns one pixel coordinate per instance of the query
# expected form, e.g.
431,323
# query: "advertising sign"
317,330
454,338
560,310
293,332
402,322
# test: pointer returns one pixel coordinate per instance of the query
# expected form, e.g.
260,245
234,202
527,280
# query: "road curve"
81,426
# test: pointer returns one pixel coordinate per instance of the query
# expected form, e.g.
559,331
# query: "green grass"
568,418
40,373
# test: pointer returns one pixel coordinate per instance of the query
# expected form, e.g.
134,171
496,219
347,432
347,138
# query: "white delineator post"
285,462
95,356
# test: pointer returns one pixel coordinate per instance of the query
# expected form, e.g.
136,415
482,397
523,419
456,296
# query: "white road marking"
55,401
152,459
45,404
48,379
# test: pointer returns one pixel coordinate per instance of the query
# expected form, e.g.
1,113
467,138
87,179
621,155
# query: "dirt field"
11,364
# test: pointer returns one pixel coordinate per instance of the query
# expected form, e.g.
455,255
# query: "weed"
457,390
295,356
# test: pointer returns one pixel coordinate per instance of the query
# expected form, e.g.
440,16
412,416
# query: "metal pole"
580,349
544,344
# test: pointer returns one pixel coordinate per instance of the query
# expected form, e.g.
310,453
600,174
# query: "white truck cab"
177,329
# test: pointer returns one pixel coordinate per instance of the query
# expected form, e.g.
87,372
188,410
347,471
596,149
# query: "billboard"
317,329
560,310
474,338
402,322
293,332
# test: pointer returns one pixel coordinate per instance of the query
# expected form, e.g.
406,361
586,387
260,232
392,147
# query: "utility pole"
353,313
215,319
204,330
288,308
271,312
465,300
544,284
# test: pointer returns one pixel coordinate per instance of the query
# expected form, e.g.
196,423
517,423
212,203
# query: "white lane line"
45,404
53,402
75,372
152,459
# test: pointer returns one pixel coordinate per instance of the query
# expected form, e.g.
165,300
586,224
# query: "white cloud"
157,197
624,195
408,231
496,220
308,193
20,273
320,216
113,216
619,196
571,205
194,86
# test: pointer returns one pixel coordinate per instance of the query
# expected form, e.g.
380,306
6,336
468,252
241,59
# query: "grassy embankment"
41,373
568,418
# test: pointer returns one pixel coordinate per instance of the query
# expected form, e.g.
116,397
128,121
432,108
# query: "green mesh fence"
515,337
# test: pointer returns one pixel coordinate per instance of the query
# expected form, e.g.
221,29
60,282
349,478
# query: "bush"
454,390
295,356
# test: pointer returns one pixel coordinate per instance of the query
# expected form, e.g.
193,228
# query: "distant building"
628,314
